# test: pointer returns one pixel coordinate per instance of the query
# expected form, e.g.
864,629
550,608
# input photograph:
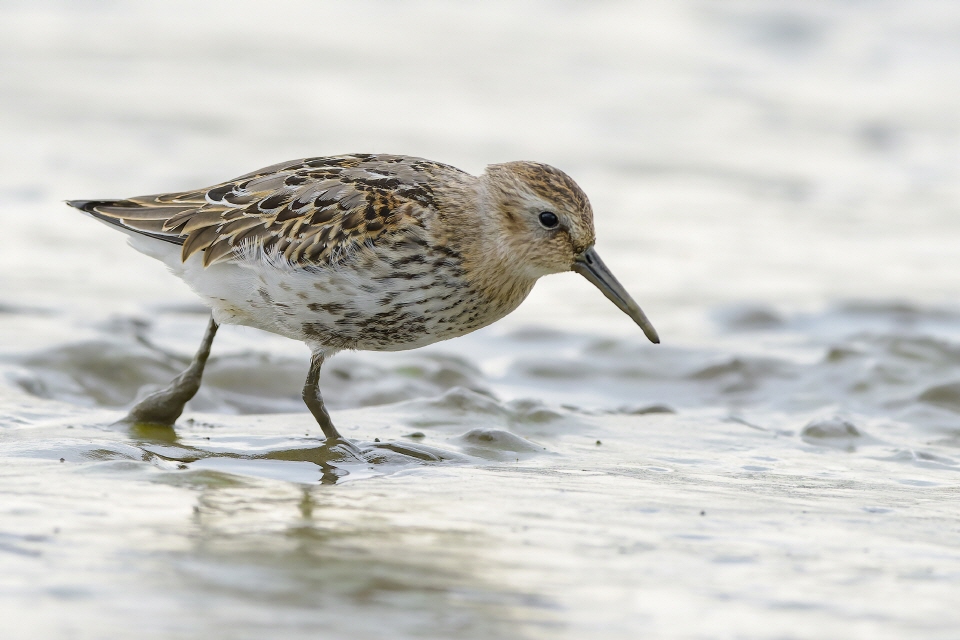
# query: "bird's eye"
549,219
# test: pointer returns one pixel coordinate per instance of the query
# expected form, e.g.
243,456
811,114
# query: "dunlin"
372,252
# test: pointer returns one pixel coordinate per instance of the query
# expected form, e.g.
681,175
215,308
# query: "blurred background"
788,152
776,182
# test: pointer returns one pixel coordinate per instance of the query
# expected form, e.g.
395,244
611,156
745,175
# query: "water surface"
777,184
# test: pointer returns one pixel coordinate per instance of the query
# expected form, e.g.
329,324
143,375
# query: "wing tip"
90,208
82,205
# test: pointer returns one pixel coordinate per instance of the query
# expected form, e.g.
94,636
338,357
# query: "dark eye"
549,219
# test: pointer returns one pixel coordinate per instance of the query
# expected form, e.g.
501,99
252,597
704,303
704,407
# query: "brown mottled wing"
310,211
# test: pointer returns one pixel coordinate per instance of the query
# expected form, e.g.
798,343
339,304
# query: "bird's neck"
493,267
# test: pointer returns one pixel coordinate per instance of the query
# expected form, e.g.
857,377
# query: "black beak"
590,266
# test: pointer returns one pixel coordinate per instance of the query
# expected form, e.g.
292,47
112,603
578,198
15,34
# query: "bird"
373,252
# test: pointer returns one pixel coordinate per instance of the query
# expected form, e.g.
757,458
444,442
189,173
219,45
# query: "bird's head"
546,223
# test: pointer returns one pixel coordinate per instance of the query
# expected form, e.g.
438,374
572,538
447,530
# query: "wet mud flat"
575,484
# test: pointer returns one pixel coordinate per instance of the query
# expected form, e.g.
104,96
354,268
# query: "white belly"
368,304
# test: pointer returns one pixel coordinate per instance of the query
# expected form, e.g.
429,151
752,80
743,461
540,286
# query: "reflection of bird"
373,252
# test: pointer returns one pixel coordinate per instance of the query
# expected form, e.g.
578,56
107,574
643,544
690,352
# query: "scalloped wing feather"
303,212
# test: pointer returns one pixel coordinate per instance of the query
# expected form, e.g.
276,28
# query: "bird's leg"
163,407
313,399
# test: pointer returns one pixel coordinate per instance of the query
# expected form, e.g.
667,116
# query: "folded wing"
307,212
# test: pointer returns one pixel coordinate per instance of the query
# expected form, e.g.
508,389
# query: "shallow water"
776,184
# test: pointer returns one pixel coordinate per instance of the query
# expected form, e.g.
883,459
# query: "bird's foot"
376,451
340,445
419,452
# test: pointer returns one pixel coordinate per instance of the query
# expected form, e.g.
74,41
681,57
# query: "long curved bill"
590,266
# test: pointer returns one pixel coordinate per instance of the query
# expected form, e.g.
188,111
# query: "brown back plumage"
309,212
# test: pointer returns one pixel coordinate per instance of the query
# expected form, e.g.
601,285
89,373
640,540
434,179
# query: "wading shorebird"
370,252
